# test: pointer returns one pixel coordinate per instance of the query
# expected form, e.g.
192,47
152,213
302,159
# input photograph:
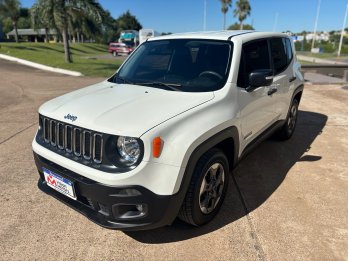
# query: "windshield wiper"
116,77
171,86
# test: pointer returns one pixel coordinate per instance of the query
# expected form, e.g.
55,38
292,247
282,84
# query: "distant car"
119,48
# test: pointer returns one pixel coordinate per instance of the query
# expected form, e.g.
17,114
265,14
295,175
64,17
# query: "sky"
266,15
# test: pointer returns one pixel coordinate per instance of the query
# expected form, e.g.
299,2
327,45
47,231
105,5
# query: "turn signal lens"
157,147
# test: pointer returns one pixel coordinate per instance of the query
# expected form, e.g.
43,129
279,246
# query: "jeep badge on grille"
70,117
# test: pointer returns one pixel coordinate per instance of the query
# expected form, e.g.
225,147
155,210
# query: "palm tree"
60,15
40,18
82,21
11,9
242,11
225,4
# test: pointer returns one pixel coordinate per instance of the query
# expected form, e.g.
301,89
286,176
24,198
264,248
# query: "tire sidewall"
198,216
289,132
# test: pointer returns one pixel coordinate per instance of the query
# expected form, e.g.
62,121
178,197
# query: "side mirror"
258,78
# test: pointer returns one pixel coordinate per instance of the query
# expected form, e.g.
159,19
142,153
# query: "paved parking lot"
286,201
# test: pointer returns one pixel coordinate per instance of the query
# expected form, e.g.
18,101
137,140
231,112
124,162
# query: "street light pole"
342,32
316,24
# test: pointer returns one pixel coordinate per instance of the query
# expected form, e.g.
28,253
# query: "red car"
119,48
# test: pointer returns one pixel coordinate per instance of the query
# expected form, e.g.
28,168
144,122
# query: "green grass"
323,55
52,54
305,62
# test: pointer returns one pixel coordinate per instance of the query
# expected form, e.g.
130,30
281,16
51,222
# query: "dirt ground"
287,201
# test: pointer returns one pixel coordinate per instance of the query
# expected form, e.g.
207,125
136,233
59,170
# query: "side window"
279,55
288,49
255,55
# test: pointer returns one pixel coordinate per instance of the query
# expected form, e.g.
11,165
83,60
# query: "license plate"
59,183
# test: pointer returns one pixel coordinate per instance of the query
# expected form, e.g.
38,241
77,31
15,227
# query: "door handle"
291,79
272,90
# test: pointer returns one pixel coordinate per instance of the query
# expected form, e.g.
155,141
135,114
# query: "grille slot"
53,132
87,144
68,138
97,148
60,135
46,132
75,141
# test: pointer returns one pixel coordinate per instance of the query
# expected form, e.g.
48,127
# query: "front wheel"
288,129
207,189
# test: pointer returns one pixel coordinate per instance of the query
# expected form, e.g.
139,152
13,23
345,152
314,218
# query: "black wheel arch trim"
297,91
230,132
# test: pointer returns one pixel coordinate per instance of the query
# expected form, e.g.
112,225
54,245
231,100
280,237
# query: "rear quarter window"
281,53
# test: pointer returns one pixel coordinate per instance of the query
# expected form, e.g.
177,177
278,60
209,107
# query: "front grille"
73,140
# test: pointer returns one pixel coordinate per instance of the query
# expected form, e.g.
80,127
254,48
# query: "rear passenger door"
257,109
281,56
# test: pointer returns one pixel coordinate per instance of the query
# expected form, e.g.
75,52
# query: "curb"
39,66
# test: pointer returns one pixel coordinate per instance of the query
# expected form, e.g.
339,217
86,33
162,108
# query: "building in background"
34,35
145,34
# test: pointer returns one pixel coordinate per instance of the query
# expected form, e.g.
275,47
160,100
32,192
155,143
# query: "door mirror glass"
260,77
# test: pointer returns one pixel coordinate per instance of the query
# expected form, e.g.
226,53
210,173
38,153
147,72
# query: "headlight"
129,149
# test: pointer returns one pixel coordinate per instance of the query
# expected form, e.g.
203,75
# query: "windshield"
189,65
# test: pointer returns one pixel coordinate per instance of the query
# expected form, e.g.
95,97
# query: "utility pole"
205,16
342,32
316,24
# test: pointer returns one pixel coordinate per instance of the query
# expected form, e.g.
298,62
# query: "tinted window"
255,55
279,54
288,49
186,64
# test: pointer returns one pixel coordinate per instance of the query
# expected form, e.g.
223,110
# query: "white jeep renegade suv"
159,138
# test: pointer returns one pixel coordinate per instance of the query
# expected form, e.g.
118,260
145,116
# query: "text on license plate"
59,183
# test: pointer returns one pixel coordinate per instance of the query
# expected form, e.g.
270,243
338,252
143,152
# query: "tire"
114,53
288,128
199,207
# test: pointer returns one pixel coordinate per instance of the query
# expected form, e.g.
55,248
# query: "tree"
11,9
225,4
40,18
82,21
127,21
24,19
236,26
62,14
108,29
241,11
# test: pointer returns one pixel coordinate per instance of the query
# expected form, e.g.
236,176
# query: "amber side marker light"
157,147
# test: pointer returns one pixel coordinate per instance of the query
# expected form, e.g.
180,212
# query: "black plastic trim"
161,210
263,136
208,144
298,89
230,37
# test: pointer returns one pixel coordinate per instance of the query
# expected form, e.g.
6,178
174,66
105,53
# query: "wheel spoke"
211,188
212,204
213,169
203,187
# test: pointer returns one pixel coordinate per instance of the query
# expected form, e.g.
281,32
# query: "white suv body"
197,132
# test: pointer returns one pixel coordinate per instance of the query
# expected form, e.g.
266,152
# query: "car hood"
121,109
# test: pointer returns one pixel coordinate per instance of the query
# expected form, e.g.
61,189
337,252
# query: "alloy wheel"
211,188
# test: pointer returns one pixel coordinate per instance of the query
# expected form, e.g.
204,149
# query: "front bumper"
113,207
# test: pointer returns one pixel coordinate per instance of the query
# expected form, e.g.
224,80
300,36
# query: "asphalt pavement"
286,200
